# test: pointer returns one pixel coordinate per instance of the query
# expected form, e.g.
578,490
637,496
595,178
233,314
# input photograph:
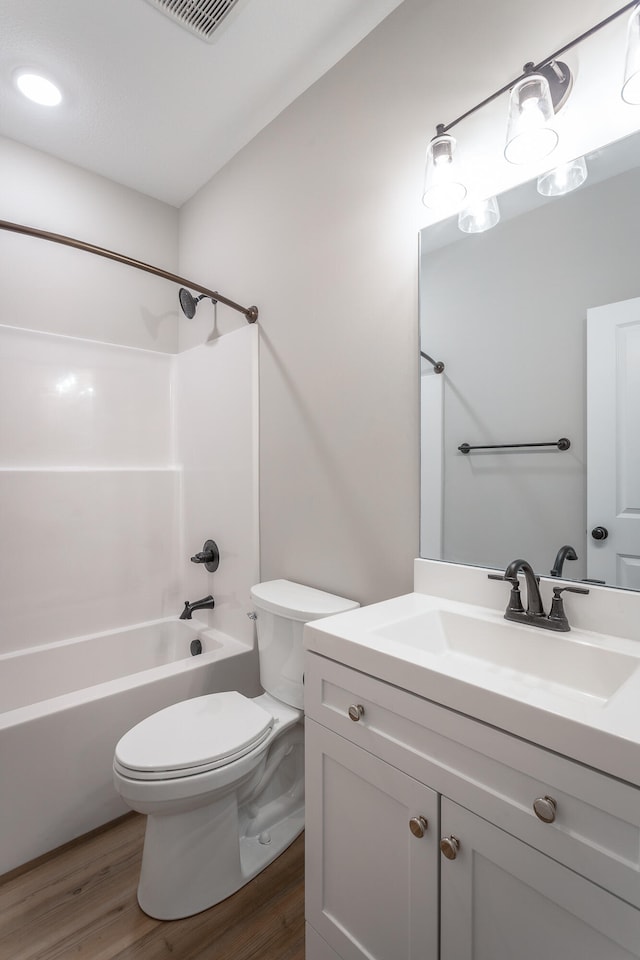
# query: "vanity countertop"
576,693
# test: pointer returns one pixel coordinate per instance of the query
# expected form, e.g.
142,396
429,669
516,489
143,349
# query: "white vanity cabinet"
372,883
515,886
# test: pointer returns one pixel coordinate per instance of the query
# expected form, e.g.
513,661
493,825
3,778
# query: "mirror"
537,322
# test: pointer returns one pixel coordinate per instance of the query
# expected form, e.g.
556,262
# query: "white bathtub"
64,706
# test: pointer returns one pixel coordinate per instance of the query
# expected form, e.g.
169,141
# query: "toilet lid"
193,736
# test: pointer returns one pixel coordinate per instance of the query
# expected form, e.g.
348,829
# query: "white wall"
316,221
55,288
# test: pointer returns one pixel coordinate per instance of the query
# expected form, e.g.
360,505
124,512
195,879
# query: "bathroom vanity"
470,792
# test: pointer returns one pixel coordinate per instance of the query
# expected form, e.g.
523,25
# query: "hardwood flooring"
80,904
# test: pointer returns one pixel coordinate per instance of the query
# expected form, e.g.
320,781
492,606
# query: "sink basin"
532,655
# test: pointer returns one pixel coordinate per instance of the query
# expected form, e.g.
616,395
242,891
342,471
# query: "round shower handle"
209,555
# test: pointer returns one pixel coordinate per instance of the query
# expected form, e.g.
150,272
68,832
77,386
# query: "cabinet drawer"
596,830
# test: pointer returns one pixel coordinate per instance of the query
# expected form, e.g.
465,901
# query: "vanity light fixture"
631,86
535,97
563,179
38,89
443,187
532,107
479,216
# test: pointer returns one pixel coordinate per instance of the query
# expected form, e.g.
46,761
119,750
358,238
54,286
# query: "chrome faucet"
534,614
207,603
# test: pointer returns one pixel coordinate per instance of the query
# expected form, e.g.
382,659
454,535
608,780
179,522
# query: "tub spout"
207,603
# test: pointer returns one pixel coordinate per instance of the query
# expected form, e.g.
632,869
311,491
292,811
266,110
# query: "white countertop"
600,728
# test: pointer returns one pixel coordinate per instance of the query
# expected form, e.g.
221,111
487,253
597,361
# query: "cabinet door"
371,884
503,900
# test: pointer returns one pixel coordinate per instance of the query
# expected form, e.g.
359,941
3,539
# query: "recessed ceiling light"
38,89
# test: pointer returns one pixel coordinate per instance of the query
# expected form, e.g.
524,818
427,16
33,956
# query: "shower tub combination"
65,705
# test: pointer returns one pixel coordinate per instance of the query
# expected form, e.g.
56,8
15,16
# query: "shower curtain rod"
251,313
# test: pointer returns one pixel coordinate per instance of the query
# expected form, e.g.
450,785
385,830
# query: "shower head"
189,303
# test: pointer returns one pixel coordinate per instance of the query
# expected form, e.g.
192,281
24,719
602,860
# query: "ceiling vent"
200,17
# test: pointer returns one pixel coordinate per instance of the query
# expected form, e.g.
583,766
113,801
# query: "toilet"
221,777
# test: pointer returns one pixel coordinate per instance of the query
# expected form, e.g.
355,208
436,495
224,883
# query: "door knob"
449,847
418,826
599,533
356,710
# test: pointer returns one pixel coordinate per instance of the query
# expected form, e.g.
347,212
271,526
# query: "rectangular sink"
568,660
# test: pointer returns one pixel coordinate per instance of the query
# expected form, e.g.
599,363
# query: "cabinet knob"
356,710
545,809
418,826
449,846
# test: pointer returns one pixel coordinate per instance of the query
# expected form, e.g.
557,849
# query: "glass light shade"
443,188
529,134
479,216
563,179
631,86
38,89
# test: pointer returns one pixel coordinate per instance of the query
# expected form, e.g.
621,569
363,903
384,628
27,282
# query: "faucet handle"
557,616
209,555
501,576
515,600
558,590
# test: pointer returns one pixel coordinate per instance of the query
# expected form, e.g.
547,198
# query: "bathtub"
65,705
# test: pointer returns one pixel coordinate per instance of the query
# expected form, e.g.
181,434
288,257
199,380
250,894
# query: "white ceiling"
153,107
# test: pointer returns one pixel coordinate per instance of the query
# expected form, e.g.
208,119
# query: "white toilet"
221,777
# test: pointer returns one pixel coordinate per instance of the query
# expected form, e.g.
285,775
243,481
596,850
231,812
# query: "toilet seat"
192,737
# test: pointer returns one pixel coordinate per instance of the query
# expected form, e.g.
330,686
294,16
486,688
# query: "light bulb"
479,216
529,136
443,188
563,179
38,89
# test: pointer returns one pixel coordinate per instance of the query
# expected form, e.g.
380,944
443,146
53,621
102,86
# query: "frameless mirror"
537,322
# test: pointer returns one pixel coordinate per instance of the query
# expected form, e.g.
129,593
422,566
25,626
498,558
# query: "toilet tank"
282,609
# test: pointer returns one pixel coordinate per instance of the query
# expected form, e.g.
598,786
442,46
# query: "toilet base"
197,857
189,867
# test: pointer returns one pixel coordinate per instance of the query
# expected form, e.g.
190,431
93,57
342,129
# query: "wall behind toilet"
316,220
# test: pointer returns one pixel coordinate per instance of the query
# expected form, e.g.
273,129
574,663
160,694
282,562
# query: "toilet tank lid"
298,602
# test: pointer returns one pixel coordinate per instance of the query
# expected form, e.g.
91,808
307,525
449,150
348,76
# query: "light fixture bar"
445,127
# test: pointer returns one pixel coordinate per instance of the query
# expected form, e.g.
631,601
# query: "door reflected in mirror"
538,325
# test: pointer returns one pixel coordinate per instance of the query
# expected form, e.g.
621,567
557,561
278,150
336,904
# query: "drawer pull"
449,846
418,826
356,710
545,809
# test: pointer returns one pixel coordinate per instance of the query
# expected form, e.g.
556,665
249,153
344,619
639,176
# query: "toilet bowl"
221,777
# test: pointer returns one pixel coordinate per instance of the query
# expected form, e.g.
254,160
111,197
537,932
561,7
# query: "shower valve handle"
210,556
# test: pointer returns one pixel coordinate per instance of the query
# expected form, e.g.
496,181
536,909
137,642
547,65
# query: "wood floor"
81,905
